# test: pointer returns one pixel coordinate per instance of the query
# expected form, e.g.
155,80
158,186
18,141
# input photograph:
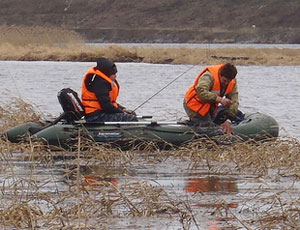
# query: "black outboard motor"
71,105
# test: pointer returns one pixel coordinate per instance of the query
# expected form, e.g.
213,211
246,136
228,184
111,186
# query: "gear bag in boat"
71,104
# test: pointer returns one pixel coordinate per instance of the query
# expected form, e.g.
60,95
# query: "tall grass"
15,112
37,35
69,197
56,44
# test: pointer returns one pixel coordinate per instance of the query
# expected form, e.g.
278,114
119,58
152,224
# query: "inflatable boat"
256,126
64,130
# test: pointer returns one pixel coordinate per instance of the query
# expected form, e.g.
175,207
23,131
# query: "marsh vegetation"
98,187
249,185
52,44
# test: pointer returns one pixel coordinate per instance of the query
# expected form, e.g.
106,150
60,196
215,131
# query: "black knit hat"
106,66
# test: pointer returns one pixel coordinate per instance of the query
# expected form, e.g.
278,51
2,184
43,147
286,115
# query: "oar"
144,117
54,121
154,123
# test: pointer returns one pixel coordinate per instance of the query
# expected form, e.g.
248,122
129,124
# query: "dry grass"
53,44
37,36
238,56
73,199
15,112
252,157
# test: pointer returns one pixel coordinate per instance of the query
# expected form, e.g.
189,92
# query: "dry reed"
77,198
37,36
15,112
56,44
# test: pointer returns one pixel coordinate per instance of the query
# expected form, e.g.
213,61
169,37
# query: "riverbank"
162,21
182,55
23,43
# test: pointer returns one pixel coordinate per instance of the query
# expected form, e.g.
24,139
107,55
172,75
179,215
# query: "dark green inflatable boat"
256,126
64,130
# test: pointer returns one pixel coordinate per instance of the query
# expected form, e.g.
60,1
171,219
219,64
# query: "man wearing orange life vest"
99,93
214,86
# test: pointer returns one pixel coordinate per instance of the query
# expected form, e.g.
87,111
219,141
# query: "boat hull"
256,126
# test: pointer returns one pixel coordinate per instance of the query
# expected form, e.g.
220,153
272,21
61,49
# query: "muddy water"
272,90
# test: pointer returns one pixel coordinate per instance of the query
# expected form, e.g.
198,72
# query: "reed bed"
37,36
58,44
84,193
79,195
15,112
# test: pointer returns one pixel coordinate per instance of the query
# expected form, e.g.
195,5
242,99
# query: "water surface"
269,89
272,90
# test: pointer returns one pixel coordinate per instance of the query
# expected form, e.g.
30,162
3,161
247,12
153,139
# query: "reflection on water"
210,184
95,174
96,181
95,177
124,189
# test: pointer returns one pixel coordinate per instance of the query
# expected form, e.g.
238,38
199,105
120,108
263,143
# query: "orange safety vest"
89,99
192,100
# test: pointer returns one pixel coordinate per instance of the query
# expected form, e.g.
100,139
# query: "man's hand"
129,111
227,127
224,101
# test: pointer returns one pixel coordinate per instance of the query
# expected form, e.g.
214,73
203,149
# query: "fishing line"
13,79
19,96
164,87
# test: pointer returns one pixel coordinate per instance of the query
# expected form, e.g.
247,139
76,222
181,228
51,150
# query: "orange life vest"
192,100
89,99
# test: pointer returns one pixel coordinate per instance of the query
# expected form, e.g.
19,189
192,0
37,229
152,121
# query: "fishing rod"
164,87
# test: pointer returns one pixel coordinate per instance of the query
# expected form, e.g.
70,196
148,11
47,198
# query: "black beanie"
106,66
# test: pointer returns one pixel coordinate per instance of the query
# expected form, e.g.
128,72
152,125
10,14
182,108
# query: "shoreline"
147,54
197,45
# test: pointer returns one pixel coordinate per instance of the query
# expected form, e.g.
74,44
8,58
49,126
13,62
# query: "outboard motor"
71,105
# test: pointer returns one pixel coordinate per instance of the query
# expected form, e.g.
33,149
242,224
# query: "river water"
200,45
268,89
